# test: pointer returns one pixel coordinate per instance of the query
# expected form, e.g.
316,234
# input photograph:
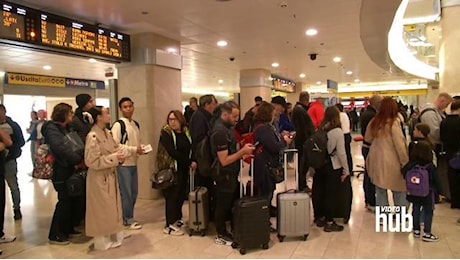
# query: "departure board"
17,23
56,33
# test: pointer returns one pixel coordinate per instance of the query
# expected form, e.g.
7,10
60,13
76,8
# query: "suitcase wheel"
234,245
265,246
203,233
190,232
243,251
281,238
305,237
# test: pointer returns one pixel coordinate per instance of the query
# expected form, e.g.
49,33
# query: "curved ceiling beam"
376,18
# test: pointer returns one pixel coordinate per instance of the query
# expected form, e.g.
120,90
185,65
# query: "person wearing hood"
82,120
316,112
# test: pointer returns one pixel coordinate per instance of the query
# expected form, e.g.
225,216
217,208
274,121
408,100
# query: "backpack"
315,150
418,119
204,156
43,163
124,134
418,181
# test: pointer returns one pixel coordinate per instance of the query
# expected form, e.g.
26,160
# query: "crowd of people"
85,146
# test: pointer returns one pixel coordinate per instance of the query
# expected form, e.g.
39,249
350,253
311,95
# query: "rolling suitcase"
345,197
251,219
198,208
293,207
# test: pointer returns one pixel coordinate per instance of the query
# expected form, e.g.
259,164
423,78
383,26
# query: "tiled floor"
358,240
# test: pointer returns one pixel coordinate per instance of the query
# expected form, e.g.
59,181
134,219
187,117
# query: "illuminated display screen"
17,23
59,33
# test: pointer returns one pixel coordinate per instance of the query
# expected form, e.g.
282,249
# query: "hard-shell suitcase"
293,207
251,219
198,208
345,197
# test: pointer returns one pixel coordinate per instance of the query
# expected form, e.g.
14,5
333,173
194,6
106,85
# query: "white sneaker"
173,230
134,226
7,239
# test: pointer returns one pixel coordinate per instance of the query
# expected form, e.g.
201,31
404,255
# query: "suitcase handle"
192,179
251,176
296,168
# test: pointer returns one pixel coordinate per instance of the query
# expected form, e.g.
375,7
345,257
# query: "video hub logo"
403,221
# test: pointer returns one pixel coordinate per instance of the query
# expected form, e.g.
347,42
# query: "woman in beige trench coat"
103,205
387,154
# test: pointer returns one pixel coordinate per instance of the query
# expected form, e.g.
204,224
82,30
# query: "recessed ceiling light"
275,65
222,43
337,59
318,82
221,81
349,72
47,67
171,50
302,75
357,80
311,32
92,60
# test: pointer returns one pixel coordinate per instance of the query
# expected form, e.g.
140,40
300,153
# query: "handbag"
277,173
76,183
163,179
73,140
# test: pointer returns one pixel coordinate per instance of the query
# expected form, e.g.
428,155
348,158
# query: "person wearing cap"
81,123
281,122
82,120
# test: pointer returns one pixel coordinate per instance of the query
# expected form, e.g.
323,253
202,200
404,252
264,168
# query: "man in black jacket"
304,128
223,146
366,117
200,126
14,151
82,120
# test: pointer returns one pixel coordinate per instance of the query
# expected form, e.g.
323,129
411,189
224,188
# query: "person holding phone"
104,220
270,157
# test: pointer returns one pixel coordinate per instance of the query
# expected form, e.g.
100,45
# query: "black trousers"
454,183
64,214
174,198
348,151
326,184
302,175
2,203
368,186
224,204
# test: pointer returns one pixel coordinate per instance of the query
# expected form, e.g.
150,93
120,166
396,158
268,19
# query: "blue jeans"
127,181
11,177
399,198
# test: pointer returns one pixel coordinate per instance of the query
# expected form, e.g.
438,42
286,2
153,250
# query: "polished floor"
358,240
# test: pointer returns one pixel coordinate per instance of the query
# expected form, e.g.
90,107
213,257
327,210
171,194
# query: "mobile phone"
256,144
292,134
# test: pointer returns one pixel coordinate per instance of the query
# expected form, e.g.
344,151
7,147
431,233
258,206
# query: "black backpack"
124,134
315,150
204,156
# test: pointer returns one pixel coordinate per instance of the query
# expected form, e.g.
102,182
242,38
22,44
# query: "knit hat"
82,99
279,100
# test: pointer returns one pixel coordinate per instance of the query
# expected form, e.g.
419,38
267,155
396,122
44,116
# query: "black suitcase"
344,201
251,220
